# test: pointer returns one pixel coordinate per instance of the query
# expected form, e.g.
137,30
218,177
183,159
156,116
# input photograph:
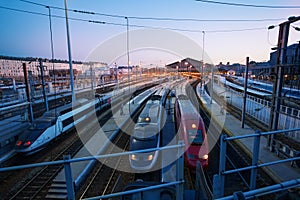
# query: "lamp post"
127,26
70,54
203,37
52,49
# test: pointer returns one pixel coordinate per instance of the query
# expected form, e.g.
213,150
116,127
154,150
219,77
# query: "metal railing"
219,179
70,182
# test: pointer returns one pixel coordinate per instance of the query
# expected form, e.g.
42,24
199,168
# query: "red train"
190,128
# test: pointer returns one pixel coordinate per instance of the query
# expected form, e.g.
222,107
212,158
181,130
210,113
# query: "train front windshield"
40,125
195,137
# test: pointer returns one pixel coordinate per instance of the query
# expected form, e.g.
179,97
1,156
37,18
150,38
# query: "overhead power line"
133,25
248,5
156,18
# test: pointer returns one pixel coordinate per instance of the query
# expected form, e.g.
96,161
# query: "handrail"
59,162
220,177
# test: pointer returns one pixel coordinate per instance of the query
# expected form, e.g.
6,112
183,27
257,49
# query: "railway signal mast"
277,87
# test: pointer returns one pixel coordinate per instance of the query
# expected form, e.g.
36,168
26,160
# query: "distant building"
292,65
186,65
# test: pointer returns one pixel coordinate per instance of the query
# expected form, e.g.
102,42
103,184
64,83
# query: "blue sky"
24,34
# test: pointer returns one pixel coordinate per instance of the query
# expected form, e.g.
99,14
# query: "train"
55,122
146,133
190,128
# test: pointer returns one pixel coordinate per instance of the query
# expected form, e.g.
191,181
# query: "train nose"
20,143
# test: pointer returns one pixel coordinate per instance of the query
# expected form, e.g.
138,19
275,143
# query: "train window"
195,137
40,125
295,112
289,111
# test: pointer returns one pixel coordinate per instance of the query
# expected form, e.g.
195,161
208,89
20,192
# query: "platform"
232,125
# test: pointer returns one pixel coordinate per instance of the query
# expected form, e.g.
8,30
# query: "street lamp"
127,25
186,65
52,49
203,36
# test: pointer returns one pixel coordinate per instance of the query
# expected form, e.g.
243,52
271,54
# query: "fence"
219,179
70,182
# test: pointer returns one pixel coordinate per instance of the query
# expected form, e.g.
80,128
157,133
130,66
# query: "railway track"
20,183
38,185
107,179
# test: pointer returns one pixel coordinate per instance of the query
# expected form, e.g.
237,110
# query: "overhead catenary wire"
156,18
249,5
135,25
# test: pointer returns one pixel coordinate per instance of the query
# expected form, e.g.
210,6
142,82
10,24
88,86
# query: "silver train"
146,134
56,122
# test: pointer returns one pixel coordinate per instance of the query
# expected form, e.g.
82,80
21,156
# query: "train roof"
151,111
186,107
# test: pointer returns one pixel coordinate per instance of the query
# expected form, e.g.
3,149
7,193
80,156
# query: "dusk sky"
25,34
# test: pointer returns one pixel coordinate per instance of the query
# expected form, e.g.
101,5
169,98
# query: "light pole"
127,25
203,36
70,54
52,49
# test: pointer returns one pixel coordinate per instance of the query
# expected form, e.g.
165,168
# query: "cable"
236,30
248,5
134,25
158,18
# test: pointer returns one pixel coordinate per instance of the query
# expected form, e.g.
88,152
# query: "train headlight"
150,157
132,157
194,126
205,157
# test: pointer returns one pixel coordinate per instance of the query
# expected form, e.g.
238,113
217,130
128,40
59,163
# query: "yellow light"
133,157
147,119
205,157
194,126
150,157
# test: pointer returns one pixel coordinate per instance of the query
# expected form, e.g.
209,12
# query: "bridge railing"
219,179
70,182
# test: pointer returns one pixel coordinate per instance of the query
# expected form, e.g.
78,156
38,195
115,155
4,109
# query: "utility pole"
28,92
245,92
43,84
277,87
70,55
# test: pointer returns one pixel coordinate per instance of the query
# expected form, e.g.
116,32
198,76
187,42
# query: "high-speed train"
146,134
191,129
55,122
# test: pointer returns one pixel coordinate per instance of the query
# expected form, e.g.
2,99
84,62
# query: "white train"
56,122
146,134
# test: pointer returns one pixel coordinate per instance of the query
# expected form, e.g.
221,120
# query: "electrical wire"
157,18
249,5
133,25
